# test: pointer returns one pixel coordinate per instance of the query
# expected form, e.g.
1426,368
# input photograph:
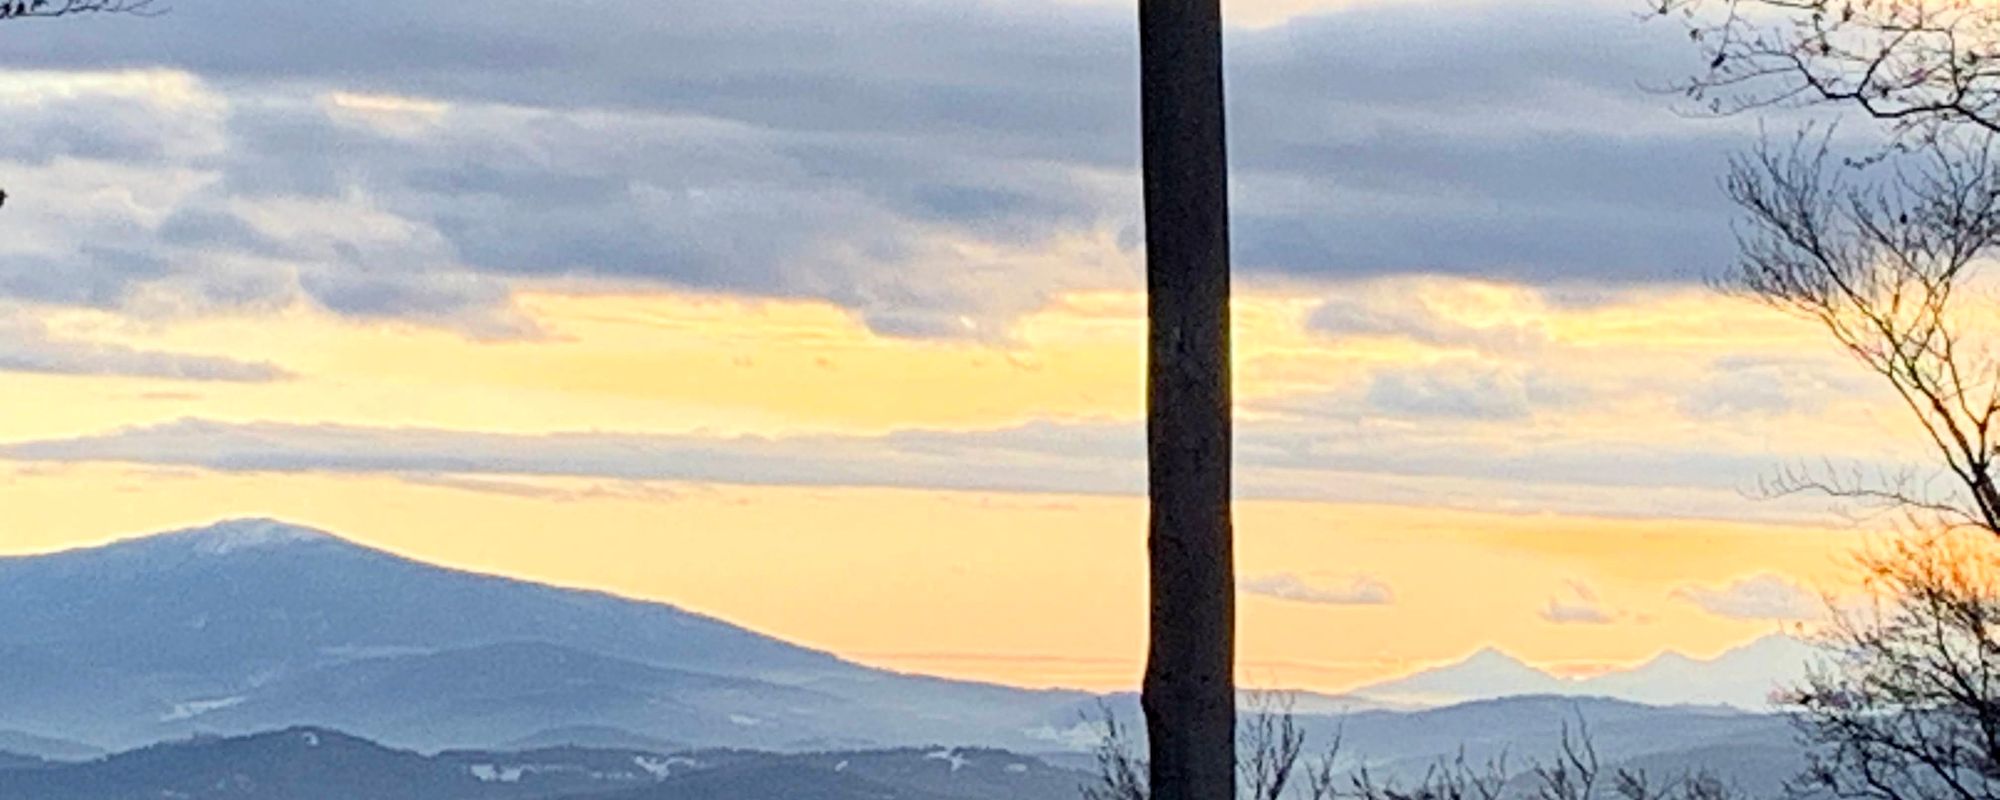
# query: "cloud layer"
923,164
1274,461
1762,597
27,345
1356,591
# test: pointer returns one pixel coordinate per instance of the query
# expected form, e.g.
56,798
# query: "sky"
826,319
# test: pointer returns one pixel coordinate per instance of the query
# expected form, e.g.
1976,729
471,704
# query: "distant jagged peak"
253,533
1778,648
1493,656
1670,658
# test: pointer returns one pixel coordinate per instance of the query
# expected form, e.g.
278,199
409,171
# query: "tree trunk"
1190,692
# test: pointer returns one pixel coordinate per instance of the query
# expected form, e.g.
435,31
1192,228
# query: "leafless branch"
32,9
1877,255
1907,705
1121,773
1922,65
1270,745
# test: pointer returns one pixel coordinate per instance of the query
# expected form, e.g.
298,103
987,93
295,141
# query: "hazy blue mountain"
1744,677
319,764
255,624
568,770
45,747
773,781
1526,727
19,761
494,694
968,773
322,764
299,764
1488,673
231,601
603,737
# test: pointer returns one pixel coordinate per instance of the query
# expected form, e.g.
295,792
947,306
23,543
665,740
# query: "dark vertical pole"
1190,690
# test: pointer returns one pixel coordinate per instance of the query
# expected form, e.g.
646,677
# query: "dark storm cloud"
835,150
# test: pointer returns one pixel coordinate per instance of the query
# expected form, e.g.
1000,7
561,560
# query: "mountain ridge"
321,763
214,628
1743,677
255,623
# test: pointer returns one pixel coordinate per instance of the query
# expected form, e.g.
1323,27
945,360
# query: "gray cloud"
1466,391
28,346
1036,458
1763,597
841,151
1406,316
1754,386
601,490
1357,591
1318,460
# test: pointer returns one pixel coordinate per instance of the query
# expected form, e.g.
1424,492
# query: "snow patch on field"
663,768
489,773
957,760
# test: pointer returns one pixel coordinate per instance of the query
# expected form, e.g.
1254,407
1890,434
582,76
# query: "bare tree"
1190,692
1271,750
30,9
1882,252
1907,706
1455,778
1880,256
1572,774
1696,785
1274,766
12,10
1121,772
1270,745
1923,65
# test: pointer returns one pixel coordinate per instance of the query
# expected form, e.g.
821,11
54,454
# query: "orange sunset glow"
861,366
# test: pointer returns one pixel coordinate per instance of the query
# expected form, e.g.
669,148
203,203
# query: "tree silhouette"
1275,766
29,9
1190,693
1881,257
1883,252
14,10
1908,705
1920,64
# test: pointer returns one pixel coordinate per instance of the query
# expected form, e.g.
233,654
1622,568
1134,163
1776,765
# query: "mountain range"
311,763
1750,751
1744,677
254,625
251,626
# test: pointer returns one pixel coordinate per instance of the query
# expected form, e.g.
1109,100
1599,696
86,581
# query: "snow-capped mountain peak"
1743,677
239,535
